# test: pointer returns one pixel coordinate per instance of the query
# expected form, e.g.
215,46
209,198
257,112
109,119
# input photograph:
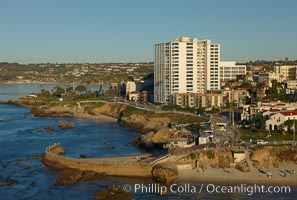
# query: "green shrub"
99,104
192,156
210,154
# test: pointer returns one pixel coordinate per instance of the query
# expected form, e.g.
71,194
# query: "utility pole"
294,132
233,117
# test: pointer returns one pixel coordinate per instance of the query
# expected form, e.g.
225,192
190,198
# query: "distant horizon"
137,62
117,31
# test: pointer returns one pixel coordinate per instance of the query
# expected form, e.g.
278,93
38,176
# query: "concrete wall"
127,169
238,157
183,167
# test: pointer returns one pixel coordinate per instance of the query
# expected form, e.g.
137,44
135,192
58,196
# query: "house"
179,143
203,139
278,119
138,96
33,95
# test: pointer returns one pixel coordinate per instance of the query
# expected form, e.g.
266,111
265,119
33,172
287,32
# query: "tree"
247,86
58,91
44,93
260,122
69,89
281,129
81,88
272,92
290,124
232,107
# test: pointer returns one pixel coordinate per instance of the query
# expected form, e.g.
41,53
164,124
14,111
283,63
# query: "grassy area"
247,134
277,136
132,110
99,104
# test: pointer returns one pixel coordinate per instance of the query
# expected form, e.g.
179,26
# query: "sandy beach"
234,176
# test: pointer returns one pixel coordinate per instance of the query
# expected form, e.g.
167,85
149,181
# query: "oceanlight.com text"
187,188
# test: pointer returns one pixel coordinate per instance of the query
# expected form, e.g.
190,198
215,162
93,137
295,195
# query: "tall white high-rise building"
185,65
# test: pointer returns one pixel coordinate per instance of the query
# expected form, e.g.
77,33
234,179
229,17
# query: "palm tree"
289,123
232,107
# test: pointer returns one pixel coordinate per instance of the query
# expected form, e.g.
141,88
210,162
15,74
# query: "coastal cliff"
151,123
142,120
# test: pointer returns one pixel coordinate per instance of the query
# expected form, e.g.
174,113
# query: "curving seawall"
125,166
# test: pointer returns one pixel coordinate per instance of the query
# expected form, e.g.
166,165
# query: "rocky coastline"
152,125
203,167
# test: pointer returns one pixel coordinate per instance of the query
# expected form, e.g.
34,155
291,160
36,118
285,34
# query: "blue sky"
62,31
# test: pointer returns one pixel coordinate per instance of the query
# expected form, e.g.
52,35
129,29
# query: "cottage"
179,143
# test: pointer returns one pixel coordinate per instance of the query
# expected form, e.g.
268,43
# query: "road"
232,131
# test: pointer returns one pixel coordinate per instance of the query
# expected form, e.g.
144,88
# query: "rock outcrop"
113,193
9,182
26,102
66,125
139,120
89,176
52,111
268,156
164,174
68,177
143,121
49,129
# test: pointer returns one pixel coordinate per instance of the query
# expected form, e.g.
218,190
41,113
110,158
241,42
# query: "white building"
286,72
130,87
229,70
291,86
268,77
185,65
278,119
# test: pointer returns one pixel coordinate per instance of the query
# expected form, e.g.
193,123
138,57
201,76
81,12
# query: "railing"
92,160
147,109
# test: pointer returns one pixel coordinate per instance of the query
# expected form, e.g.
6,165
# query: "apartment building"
286,72
268,77
229,70
235,96
291,86
197,100
185,65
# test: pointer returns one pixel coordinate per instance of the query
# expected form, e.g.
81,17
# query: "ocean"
22,136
